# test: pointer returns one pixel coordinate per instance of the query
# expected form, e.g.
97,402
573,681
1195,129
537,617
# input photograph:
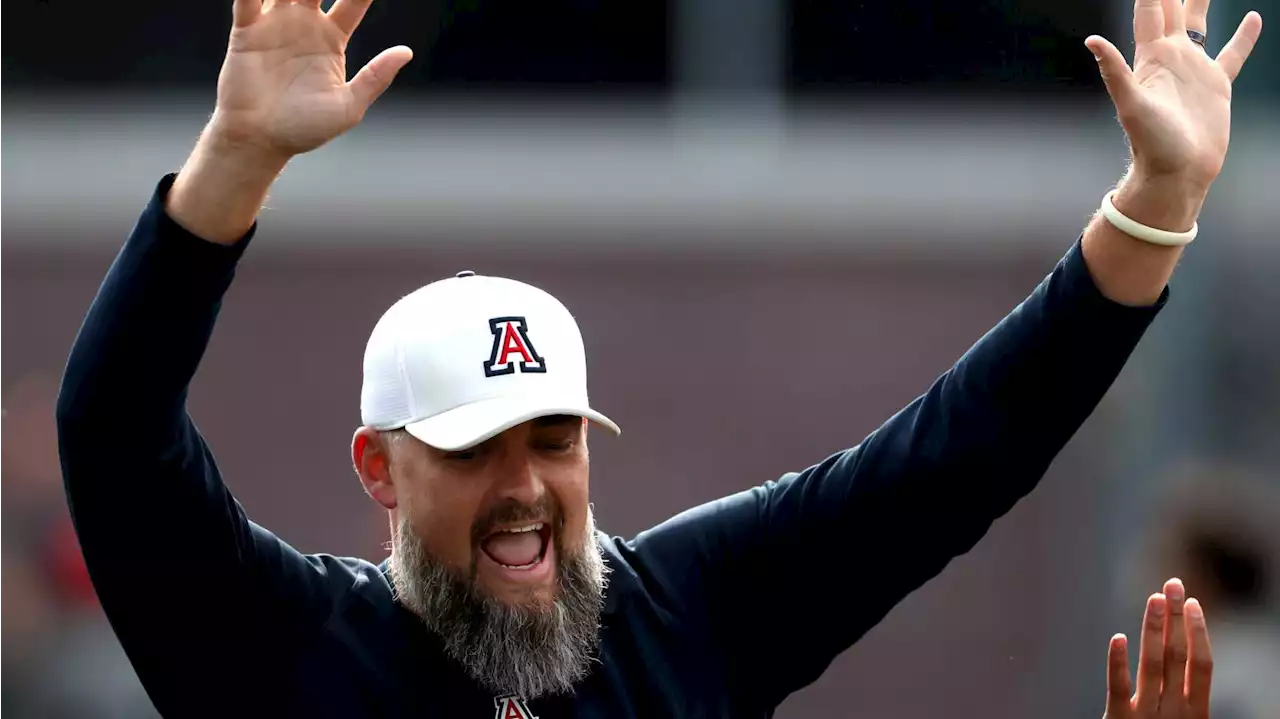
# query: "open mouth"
521,547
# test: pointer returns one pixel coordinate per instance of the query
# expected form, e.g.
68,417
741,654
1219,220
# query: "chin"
540,599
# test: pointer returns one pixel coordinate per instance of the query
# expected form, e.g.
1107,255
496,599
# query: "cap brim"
473,423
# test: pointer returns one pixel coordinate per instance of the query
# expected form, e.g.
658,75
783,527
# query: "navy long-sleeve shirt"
723,610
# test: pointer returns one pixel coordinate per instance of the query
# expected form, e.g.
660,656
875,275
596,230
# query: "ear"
372,460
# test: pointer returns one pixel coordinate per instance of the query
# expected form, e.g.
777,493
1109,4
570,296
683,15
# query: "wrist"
1164,203
221,188
240,151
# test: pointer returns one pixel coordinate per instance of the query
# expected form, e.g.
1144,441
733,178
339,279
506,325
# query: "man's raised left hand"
1175,102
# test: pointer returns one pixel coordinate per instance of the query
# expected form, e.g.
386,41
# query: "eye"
556,445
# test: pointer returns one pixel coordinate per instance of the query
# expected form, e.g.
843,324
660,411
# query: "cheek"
570,489
446,536
443,522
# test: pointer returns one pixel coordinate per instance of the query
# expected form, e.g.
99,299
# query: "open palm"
1175,103
284,81
1175,662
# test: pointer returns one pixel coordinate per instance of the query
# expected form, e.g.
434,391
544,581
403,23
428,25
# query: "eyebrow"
551,421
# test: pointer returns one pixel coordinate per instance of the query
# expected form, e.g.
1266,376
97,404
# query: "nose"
518,478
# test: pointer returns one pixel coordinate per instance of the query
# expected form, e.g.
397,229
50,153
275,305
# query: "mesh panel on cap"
385,401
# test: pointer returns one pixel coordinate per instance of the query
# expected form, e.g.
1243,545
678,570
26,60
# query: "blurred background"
853,192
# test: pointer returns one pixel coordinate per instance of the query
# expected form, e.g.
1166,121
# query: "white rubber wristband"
1142,232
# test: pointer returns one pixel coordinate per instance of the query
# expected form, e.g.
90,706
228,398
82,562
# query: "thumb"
374,78
1115,71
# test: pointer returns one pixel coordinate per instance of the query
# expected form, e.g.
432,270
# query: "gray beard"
530,650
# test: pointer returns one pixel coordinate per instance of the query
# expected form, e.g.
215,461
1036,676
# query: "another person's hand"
283,88
1175,664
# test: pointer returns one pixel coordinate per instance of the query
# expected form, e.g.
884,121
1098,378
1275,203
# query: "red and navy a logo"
512,349
511,706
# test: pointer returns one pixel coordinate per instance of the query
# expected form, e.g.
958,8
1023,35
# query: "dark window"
931,45
591,45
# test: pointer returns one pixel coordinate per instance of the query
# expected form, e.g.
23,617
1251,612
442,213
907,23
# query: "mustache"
512,511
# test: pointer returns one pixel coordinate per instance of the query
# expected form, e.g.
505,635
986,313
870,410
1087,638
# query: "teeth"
528,528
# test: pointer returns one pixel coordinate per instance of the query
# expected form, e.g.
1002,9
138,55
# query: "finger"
1200,662
1197,15
1237,49
1151,656
347,14
374,78
1175,640
1175,20
1119,686
1148,21
314,4
245,12
1114,69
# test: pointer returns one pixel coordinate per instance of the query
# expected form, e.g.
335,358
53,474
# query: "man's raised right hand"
283,91
283,86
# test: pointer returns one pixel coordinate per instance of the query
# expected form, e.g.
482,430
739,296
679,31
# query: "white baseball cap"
463,359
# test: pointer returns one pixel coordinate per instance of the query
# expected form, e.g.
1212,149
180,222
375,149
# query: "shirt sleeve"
198,595
790,574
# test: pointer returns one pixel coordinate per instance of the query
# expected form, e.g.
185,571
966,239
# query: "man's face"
495,551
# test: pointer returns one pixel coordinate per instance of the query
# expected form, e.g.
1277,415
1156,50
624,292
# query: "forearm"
223,185
147,329
1128,270
926,485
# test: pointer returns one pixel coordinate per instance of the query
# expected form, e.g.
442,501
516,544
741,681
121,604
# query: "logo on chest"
511,706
